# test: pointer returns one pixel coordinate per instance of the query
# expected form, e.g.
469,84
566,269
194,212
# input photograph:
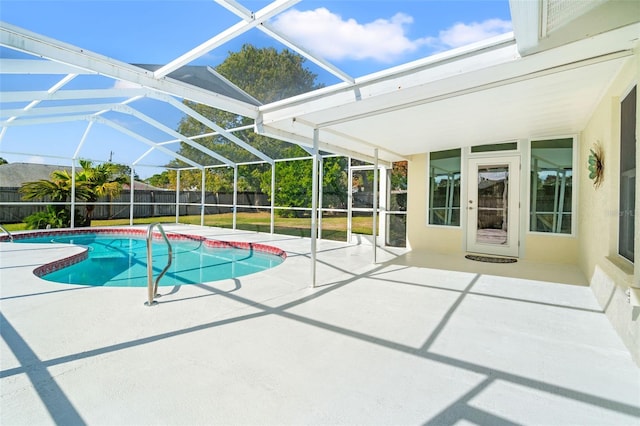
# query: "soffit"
492,100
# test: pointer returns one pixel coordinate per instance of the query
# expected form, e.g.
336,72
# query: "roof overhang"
546,24
481,94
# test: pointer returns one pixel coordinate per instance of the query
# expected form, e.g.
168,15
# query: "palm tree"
98,181
91,183
58,190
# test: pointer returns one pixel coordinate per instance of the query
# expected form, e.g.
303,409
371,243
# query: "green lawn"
334,228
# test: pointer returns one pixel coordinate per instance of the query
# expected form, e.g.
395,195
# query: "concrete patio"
417,338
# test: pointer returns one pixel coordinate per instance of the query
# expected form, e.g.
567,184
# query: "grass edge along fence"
334,227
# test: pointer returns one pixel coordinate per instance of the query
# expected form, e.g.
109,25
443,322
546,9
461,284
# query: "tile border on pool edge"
56,265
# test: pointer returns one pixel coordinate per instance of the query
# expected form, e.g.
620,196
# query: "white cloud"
461,34
121,84
36,159
334,38
384,40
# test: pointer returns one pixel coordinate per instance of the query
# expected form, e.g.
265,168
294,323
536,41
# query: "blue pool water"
121,261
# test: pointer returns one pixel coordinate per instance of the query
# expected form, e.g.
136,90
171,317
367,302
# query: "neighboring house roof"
14,175
141,186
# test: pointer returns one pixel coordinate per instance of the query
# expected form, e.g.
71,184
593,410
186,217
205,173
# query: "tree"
3,161
294,184
105,179
58,190
91,183
159,180
267,75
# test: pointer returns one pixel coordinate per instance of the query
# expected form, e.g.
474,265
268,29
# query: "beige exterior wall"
441,239
451,240
609,275
594,247
551,248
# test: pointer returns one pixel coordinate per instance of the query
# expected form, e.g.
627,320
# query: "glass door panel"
493,204
492,210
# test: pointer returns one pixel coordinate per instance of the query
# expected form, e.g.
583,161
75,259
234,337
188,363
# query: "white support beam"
248,16
362,142
178,196
82,141
22,40
139,159
66,95
230,33
52,89
208,134
146,141
273,199
235,197
213,126
38,66
235,7
73,193
51,111
322,63
301,140
374,228
314,207
203,194
125,109
45,120
132,188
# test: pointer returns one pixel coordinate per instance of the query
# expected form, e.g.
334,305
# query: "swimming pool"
118,258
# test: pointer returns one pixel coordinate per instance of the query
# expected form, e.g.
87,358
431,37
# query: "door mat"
490,259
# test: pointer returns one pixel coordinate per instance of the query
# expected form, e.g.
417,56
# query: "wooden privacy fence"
147,203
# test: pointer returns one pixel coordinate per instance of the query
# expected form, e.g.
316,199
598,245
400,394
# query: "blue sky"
358,36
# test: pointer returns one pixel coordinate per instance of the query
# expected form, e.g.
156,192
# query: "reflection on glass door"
493,206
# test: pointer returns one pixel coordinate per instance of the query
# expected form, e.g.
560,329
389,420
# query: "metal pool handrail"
7,232
152,289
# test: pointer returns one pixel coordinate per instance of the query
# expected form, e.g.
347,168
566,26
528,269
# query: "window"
509,146
551,186
444,187
627,175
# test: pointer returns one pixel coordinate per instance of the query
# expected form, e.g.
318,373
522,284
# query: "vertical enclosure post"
202,195
314,207
73,193
320,196
349,201
178,196
131,197
235,195
374,229
273,197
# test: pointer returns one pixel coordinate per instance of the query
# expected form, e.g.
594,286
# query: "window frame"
575,182
622,98
428,192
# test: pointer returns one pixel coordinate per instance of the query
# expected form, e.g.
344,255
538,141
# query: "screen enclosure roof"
492,91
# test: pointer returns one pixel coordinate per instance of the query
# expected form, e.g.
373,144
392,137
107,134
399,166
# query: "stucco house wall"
609,274
594,246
